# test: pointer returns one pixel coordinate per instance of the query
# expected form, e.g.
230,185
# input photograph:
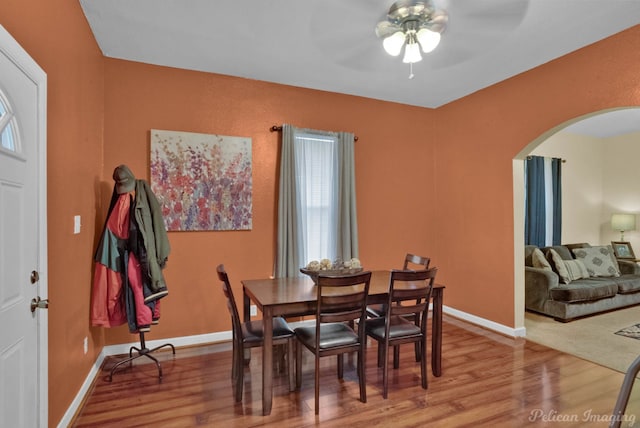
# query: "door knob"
39,303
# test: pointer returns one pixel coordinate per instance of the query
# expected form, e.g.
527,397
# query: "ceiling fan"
413,25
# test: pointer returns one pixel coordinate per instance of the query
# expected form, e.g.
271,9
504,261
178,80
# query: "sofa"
575,280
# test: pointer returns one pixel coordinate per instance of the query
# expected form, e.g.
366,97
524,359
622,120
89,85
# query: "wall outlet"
253,310
86,345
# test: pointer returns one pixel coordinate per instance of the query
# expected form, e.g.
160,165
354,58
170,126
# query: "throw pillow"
599,260
539,260
576,270
568,270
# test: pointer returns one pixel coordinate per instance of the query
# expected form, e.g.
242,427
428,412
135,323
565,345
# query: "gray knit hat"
124,178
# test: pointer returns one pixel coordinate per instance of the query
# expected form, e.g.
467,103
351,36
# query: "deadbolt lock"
35,276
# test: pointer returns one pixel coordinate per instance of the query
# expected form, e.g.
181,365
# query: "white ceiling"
331,45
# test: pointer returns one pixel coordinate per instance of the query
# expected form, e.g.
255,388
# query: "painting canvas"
202,181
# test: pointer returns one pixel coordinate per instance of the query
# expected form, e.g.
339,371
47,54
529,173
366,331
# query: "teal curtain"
556,185
543,201
535,217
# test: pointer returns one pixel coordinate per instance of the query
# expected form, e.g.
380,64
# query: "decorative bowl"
313,274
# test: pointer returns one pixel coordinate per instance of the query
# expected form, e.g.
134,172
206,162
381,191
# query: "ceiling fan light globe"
393,44
412,54
428,39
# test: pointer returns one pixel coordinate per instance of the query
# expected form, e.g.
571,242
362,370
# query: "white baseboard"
482,322
226,336
77,401
199,339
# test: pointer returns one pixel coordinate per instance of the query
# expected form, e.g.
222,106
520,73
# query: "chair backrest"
231,301
409,293
412,259
342,298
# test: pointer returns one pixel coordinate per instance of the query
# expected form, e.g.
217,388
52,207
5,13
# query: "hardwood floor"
487,380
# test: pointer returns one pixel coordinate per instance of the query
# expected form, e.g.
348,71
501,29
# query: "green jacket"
148,217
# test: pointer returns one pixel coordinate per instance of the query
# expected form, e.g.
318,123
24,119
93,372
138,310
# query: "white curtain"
317,215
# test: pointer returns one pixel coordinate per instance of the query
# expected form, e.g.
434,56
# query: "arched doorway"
604,124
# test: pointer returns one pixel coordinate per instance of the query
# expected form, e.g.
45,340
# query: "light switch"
76,224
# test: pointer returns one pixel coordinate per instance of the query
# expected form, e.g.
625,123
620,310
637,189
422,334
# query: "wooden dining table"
297,296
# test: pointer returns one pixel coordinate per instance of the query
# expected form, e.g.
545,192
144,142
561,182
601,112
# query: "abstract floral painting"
202,181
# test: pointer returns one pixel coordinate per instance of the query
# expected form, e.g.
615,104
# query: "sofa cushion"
583,291
562,251
599,260
528,251
578,245
568,270
538,260
628,284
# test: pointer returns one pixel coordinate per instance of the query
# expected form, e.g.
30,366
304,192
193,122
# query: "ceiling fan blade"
386,28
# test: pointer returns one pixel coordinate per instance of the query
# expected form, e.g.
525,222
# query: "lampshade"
394,43
428,40
623,222
412,53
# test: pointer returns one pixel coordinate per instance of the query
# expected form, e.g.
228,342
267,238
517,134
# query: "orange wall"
457,159
56,35
141,97
478,138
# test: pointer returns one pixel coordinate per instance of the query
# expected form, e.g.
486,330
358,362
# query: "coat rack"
143,351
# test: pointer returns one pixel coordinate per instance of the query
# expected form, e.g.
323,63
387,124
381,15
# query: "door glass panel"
7,125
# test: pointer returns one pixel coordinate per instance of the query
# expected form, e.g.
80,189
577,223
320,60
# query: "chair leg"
278,358
423,363
235,354
239,379
380,354
291,344
340,363
396,356
385,371
317,383
417,344
362,364
298,365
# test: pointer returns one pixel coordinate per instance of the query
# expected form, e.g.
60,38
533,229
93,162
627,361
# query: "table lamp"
622,223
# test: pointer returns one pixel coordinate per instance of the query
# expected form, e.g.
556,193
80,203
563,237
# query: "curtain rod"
275,128
563,160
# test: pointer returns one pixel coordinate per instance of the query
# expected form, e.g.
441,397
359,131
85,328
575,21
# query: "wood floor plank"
487,380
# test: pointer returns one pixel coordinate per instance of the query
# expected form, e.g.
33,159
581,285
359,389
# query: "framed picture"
622,250
202,181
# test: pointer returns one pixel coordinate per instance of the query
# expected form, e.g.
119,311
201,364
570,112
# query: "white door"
23,261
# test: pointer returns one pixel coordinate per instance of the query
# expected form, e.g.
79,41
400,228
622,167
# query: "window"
7,125
317,200
316,157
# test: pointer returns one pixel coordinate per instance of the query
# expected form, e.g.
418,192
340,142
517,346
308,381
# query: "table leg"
267,361
246,316
436,329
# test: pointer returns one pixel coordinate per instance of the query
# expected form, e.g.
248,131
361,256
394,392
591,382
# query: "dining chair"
341,300
411,261
409,294
247,335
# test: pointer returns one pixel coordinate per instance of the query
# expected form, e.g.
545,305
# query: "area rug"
633,332
591,338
